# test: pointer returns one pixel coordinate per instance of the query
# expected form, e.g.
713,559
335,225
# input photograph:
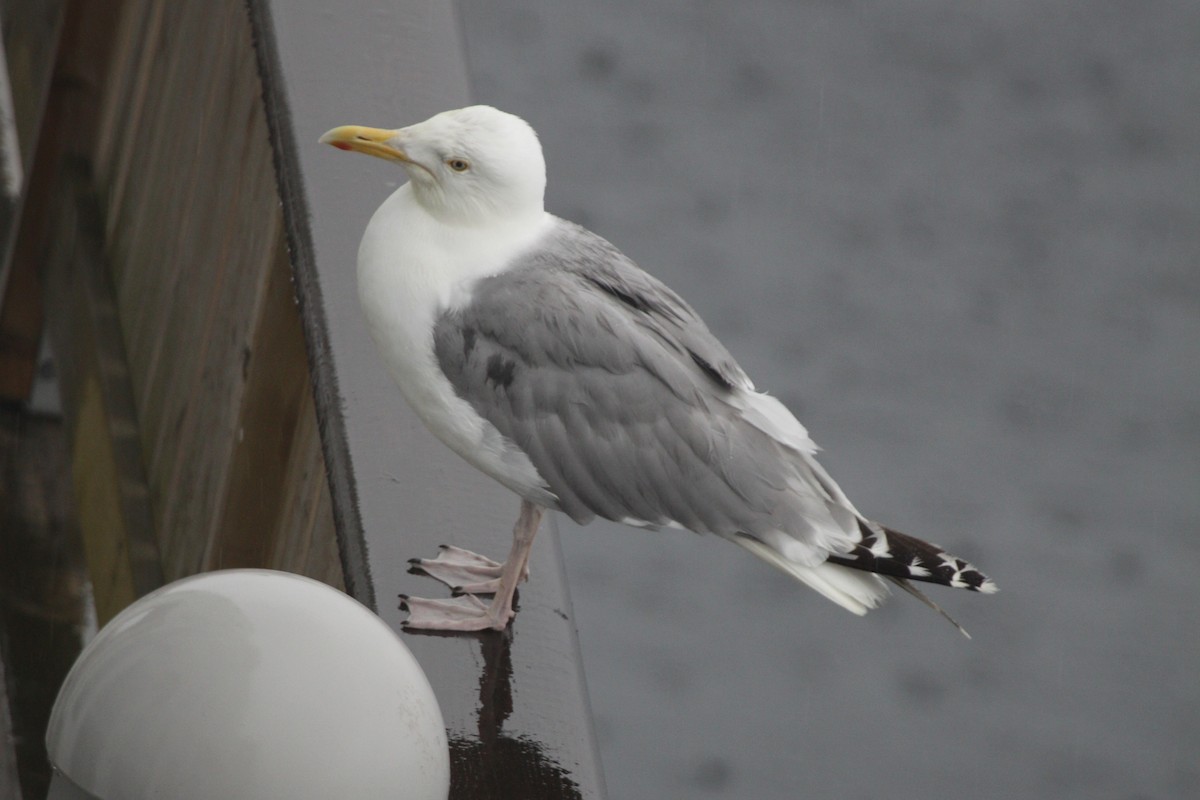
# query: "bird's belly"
458,426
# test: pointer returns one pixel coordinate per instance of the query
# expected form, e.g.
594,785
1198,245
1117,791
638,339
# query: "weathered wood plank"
193,237
61,242
138,220
114,513
60,235
307,539
204,305
133,46
166,300
277,381
98,487
323,561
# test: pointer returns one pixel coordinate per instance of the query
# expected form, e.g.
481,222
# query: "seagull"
547,359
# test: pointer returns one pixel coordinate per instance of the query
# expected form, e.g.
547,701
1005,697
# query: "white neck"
474,210
412,266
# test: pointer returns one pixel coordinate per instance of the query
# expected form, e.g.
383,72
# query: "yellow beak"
372,141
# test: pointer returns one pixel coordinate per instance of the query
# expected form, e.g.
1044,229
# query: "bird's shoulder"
579,287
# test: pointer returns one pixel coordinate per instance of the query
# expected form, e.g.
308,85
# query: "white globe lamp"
248,684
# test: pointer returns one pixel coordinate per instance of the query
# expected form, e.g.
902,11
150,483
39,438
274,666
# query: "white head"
468,166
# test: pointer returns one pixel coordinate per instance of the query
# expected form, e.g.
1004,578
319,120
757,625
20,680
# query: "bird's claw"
465,613
463,571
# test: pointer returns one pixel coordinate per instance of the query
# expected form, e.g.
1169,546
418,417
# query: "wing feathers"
630,409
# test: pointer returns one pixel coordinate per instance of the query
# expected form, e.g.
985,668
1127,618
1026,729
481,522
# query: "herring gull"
547,359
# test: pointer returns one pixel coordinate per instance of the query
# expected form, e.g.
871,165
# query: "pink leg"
468,613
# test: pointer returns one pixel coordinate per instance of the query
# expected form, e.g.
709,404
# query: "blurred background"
962,243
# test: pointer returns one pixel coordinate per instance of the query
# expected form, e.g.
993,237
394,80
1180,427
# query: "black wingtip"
891,553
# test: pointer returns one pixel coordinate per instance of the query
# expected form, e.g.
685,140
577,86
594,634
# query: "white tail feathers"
853,590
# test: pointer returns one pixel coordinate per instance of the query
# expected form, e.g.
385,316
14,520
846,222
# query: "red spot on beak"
341,145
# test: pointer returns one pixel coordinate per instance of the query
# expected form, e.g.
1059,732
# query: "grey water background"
962,242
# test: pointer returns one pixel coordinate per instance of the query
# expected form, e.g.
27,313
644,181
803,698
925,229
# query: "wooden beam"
61,242
113,501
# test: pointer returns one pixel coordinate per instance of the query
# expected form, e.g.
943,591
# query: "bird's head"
468,166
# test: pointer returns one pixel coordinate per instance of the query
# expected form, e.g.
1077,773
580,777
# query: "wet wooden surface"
515,703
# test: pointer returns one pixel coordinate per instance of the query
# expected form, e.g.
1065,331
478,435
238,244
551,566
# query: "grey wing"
582,253
620,396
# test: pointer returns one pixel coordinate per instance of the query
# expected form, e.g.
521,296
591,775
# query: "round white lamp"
248,684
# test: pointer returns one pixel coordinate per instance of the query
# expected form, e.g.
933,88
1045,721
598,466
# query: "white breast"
411,268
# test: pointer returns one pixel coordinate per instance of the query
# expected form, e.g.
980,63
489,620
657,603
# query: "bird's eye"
458,164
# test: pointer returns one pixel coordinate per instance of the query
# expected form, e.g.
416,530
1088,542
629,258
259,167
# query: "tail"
853,579
853,590
900,556
835,559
